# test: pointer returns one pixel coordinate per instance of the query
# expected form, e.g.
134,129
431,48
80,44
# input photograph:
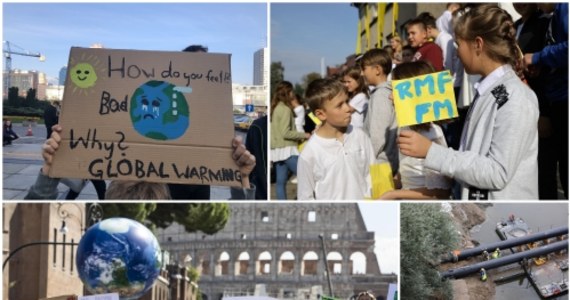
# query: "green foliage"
27,106
308,78
208,218
299,90
23,111
131,210
277,75
13,96
426,233
193,274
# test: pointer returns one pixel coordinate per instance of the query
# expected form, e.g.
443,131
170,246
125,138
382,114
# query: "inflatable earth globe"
118,255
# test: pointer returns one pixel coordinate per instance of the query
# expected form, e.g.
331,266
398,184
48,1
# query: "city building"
25,80
62,75
53,268
261,67
275,250
250,94
54,92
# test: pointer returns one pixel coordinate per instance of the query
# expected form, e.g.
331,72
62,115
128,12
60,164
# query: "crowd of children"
493,155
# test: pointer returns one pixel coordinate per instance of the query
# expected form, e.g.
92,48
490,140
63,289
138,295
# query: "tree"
308,78
30,98
277,75
13,98
208,218
299,90
426,232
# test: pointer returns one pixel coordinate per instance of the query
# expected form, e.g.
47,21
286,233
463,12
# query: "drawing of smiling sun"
83,74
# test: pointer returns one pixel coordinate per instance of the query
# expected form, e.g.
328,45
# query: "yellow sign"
382,180
424,98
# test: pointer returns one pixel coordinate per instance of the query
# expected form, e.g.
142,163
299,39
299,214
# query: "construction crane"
9,50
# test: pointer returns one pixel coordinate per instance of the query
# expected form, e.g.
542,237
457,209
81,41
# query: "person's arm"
243,193
305,179
511,140
552,56
380,119
46,187
244,159
419,194
283,116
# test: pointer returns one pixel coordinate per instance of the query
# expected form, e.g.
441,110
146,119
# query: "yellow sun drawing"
83,74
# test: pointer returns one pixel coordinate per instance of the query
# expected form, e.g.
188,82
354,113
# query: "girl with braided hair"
497,157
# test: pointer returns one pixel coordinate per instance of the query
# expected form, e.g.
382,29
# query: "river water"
539,217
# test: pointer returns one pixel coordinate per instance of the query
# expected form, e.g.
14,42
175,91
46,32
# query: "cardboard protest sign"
147,115
423,99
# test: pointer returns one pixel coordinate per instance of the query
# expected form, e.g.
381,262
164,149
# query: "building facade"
47,271
250,94
62,75
261,67
54,272
25,80
276,250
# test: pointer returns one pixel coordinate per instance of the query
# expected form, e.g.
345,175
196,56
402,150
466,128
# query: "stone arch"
203,264
242,263
187,259
286,263
264,263
334,260
222,264
358,263
310,263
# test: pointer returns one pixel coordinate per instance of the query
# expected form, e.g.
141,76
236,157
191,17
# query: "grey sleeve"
44,188
243,193
511,139
382,129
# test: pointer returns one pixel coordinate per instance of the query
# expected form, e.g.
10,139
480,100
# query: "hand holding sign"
413,144
424,98
147,115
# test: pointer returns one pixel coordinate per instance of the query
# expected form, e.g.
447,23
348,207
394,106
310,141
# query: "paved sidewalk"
22,162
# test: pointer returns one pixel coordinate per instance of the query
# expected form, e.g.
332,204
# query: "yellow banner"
382,180
425,98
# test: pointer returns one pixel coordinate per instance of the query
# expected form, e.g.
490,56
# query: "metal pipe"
498,262
326,264
457,255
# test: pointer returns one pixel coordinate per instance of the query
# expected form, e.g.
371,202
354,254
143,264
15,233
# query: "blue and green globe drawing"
159,111
118,255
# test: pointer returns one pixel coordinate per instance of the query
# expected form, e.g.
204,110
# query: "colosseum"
277,250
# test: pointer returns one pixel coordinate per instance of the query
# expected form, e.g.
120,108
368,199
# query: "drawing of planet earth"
158,111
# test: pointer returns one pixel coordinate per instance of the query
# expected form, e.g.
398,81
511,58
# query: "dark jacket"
256,144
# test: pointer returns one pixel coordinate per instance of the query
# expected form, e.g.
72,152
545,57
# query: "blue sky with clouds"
53,28
304,33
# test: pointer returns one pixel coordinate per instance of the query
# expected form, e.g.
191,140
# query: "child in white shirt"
335,163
